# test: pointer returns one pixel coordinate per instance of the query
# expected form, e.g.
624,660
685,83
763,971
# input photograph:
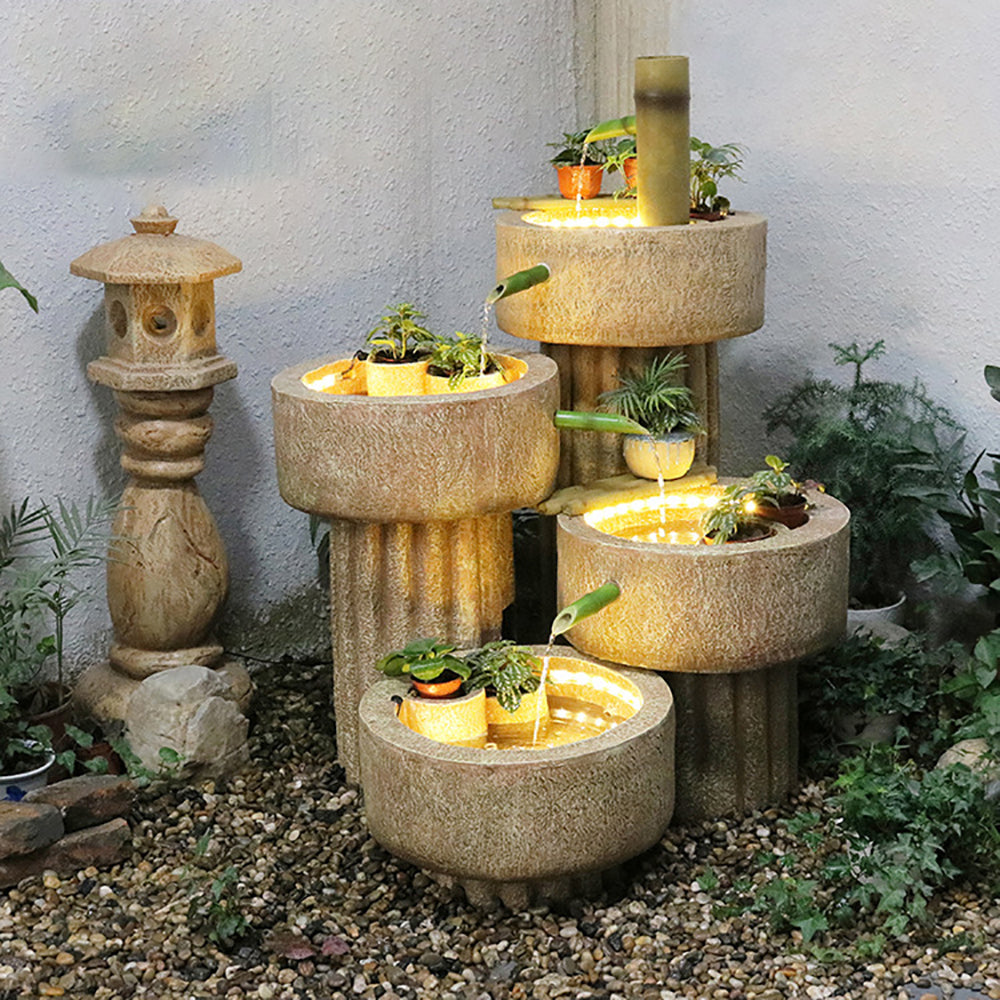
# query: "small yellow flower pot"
385,378
534,705
458,721
669,455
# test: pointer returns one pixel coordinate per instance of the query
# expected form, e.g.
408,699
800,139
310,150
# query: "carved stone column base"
737,741
392,583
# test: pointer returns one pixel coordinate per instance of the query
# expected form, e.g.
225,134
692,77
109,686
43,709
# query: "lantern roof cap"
155,255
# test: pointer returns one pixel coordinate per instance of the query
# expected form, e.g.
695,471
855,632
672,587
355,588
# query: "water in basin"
674,519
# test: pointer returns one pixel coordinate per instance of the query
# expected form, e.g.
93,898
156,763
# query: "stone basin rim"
378,712
825,518
735,220
289,381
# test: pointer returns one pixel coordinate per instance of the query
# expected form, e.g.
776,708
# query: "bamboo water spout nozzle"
587,420
519,282
613,128
585,606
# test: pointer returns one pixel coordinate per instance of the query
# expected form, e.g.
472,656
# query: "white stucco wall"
345,152
872,130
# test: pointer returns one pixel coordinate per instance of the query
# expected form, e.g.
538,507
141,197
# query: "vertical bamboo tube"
663,139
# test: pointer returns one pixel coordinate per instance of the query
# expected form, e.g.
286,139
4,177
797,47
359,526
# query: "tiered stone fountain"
726,623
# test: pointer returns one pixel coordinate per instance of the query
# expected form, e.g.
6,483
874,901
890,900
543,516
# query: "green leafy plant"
511,671
574,151
460,357
733,517
425,660
845,687
653,398
399,336
36,593
709,165
973,517
883,448
220,911
774,486
621,151
7,280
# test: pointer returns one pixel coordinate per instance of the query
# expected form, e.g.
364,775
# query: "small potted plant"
776,495
579,164
734,518
437,708
623,158
459,364
709,165
433,669
398,353
510,675
652,397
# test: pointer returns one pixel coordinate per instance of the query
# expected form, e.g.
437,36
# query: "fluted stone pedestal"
418,491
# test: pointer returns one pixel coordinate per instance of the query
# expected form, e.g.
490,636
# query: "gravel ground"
332,915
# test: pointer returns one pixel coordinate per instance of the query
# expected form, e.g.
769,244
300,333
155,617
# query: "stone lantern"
170,575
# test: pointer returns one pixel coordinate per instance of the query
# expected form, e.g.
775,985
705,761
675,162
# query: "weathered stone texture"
711,608
87,800
100,846
646,287
28,826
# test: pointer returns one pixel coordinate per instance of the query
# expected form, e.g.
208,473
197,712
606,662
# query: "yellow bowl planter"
458,721
389,379
669,455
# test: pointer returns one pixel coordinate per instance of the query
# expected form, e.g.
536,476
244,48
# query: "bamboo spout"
519,281
585,606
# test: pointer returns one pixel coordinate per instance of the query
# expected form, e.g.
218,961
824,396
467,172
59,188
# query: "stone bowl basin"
640,287
507,821
711,608
415,459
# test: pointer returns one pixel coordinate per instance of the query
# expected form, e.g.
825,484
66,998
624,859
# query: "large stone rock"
88,800
100,846
975,754
190,710
26,827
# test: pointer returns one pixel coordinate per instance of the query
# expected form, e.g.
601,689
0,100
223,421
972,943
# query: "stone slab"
87,800
100,846
26,827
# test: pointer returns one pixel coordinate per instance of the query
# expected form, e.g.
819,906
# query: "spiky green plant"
510,670
653,397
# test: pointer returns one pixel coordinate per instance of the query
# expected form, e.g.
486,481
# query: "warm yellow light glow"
674,519
582,678
589,217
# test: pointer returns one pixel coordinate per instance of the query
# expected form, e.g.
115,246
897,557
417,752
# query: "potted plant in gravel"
511,676
36,593
709,165
888,452
653,398
459,364
776,495
398,353
579,164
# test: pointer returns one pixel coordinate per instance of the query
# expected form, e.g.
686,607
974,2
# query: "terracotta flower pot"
630,169
395,378
437,689
580,182
791,515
